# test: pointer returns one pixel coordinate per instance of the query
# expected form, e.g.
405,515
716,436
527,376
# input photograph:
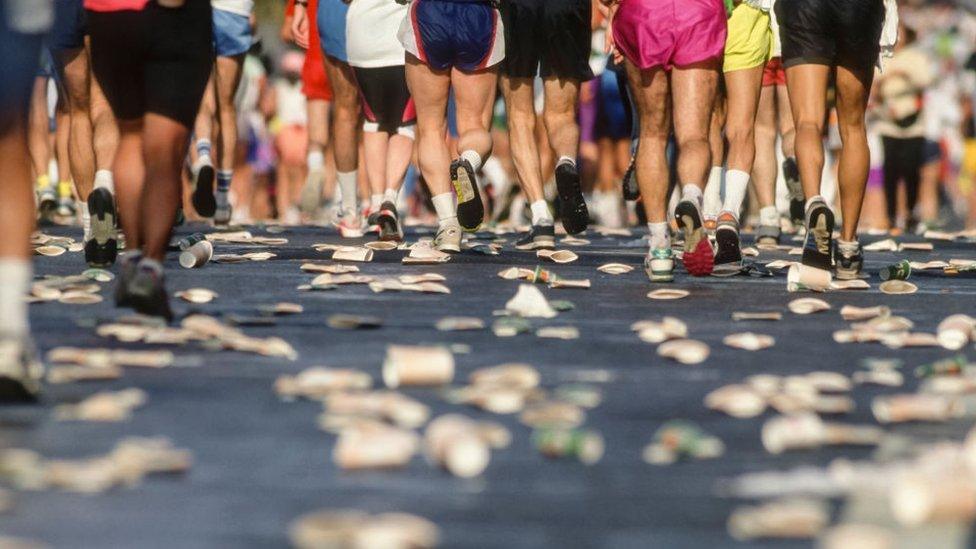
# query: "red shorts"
315,84
774,74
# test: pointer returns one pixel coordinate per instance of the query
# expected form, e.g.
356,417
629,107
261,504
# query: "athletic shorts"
21,49
69,30
232,33
468,36
669,33
332,28
774,74
749,39
153,61
387,104
830,32
315,83
547,37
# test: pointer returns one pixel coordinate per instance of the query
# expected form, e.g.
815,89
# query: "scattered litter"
317,383
615,268
197,295
898,287
749,341
336,268
899,271
353,253
685,351
454,442
802,278
740,316
530,303
559,443
557,256
668,294
197,255
805,431
808,305
417,366
347,529
353,322
657,332
680,439
459,323
106,406
50,251
558,332
381,245
782,519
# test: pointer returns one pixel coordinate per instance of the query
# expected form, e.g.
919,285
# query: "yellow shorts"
750,40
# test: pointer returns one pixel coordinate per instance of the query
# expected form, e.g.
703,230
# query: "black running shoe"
728,256
127,271
103,246
146,292
631,189
204,201
20,370
470,209
538,238
818,245
791,172
572,207
47,204
388,221
849,265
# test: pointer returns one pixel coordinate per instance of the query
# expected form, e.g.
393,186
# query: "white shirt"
291,106
371,33
240,7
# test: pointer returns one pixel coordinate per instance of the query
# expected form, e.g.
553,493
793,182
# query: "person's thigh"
807,85
430,90
853,89
474,93
228,72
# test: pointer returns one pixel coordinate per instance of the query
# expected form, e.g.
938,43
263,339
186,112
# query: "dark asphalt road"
260,462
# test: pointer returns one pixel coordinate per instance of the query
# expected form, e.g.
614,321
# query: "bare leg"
375,153
519,105
104,128
562,98
130,175
165,146
399,151
852,99
787,130
764,170
228,74
39,130
17,206
77,81
743,99
430,90
473,91
650,90
693,93
807,86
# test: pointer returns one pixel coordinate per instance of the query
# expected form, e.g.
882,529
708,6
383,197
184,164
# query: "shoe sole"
656,276
388,226
311,196
103,248
448,248
203,198
572,206
470,209
728,258
847,274
818,243
698,257
15,390
222,219
539,243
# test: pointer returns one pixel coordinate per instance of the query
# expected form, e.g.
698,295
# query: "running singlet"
116,5
371,33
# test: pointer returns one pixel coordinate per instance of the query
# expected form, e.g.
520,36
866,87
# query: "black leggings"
903,160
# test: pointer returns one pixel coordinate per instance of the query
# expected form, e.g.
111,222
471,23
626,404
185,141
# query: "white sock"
15,280
660,236
540,213
736,183
847,246
85,220
149,263
316,160
473,158
390,195
813,199
692,192
444,207
347,184
104,180
375,201
713,192
769,216
566,160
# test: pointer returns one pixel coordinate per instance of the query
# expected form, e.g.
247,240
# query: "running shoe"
797,202
710,223
728,256
659,265
539,237
698,257
768,235
127,271
388,221
470,209
20,370
203,198
849,264
350,224
147,293
818,244
572,206
631,189
448,238
223,211
47,203
311,197
66,207
102,247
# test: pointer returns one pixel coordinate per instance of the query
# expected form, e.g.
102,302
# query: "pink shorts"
668,33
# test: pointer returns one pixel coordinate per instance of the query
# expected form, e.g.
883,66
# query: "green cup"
899,271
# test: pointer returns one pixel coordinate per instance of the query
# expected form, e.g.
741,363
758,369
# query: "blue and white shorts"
232,33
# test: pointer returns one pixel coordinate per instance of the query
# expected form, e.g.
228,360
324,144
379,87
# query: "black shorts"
156,60
831,32
548,37
70,26
386,99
